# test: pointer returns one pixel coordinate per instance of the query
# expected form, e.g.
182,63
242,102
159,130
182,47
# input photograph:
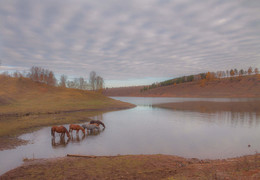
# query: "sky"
130,42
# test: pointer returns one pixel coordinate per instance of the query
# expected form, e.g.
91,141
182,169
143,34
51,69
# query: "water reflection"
77,139
62,143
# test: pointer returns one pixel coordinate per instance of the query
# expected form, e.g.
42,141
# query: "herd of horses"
91,126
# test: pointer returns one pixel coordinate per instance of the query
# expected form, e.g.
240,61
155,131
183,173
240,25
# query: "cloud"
130,39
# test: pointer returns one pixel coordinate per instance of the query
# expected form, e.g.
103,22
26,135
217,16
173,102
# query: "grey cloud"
130,39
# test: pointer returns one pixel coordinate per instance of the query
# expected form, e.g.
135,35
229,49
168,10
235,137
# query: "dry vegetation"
138,167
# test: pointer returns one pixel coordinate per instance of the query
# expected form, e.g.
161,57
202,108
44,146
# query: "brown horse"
97,122
59,129
77,128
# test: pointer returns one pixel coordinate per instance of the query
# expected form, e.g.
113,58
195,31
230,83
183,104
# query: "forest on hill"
203,77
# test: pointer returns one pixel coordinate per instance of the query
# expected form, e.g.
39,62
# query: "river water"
148,130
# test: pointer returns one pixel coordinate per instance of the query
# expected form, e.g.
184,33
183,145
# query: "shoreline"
12,141
155,166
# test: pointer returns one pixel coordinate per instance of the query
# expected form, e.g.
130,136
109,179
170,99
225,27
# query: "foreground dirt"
137,167
248,86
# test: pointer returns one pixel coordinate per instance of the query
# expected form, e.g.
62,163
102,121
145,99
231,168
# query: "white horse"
91,127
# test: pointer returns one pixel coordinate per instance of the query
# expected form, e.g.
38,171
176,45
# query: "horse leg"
83,131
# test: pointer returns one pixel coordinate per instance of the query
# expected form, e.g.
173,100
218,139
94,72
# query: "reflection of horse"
59,129
97,122
91,127
77,128
62,142
77,139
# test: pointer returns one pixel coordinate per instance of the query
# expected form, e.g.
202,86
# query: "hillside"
21,95
247,86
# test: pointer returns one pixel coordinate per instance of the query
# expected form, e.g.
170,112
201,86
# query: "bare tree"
241,72
81,83
51,79
250,70
99,83
92,80
63,80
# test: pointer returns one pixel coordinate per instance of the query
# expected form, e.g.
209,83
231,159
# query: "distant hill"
22,95
244,86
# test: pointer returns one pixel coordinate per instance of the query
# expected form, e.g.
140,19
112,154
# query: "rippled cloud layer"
130,39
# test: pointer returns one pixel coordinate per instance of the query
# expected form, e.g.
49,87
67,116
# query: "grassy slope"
32,105
23,96
247,86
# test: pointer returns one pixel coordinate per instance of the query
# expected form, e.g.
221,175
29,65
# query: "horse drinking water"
76,128
97,122
91,127
59,129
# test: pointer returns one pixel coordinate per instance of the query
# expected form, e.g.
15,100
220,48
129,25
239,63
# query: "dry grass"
21,95
137,167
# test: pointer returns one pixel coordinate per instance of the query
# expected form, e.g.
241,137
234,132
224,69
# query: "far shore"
209,106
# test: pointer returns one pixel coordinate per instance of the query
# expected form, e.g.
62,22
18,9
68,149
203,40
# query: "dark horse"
59,129
97,122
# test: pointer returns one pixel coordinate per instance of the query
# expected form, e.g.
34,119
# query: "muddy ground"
137,167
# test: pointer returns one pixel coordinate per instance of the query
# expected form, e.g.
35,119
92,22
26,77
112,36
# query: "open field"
26,105
246,86
137,167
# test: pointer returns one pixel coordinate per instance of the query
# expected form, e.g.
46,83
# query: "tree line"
202,77
41,75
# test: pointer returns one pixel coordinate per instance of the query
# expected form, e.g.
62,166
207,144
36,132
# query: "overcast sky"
129,42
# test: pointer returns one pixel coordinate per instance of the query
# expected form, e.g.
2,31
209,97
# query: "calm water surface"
147,130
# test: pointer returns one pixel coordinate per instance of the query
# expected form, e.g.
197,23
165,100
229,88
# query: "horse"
77,128
97,122
91,127
59,129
